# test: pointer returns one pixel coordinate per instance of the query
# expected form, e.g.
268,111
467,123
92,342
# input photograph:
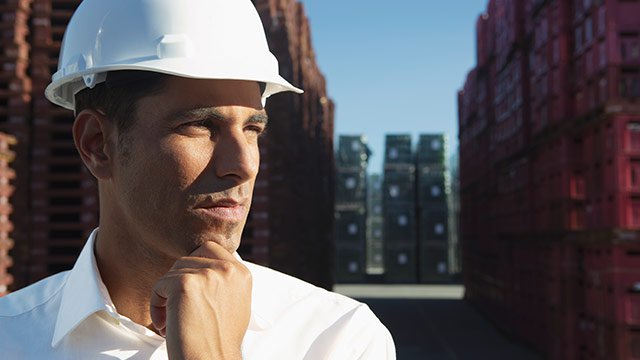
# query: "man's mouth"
225,209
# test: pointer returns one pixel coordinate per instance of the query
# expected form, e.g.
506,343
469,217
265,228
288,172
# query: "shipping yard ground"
433,322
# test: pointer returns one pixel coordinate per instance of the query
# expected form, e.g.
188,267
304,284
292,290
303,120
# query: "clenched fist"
203,304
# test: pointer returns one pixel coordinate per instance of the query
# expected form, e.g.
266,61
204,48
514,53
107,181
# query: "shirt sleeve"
358,335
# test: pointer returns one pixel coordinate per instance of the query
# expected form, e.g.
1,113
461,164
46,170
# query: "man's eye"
199,123
256,129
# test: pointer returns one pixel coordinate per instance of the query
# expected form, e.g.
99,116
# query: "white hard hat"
202,39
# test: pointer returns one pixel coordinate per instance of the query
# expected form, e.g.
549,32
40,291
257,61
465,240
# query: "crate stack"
476,113
510,128
455,266
433,186
399,228
63,194
7,174
558,265
351,209
15,103
375,222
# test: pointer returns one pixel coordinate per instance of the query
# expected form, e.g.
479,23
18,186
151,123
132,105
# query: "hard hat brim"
75,82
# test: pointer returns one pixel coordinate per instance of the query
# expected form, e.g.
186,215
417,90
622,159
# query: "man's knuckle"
226,267
185,282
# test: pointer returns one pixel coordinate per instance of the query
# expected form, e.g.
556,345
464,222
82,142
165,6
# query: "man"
169,99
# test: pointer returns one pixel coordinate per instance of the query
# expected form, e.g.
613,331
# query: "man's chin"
229,242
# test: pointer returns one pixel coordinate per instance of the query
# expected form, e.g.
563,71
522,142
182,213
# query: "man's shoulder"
277,293
319,321
290,288
32,296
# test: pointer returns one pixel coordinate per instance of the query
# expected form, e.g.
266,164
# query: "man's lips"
227,209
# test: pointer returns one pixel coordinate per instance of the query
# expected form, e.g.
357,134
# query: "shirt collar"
84,294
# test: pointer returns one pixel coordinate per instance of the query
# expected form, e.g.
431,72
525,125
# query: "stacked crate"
433,187
558,265
398,198
547,27
351,208
15,102
606,94
605,56
455,250
375,221
476,116
303,132
6,226
63,193
510,128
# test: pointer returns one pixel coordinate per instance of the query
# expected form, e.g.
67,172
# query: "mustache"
237,195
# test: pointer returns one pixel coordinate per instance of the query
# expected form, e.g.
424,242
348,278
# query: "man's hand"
203,304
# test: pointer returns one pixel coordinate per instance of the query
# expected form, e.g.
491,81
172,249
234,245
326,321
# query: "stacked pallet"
399,210
351,208
550,202
6,226
432,205
297,166
63,193
375,225
15,103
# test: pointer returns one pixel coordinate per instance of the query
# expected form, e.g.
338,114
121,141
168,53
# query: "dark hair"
118,95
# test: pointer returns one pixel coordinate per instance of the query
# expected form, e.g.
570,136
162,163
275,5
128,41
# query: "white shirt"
71,316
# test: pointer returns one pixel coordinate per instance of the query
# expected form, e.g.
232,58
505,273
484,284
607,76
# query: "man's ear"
92,135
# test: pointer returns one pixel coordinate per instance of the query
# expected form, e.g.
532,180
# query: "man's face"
185,171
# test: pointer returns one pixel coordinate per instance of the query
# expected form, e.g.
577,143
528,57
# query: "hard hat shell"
202,39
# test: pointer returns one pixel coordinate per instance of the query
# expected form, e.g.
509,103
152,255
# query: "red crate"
511,205
468,97
611,148
485,28
558,187
605,341
509,132
5,281
54,9
549,64
14,87
44,34
606,37
12,5
622,297
14,52
509,27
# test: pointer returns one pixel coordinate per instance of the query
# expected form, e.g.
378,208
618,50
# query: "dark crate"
398,149
399,225
351,227
400,263
351,186
433,224
431,149
350,264
434,263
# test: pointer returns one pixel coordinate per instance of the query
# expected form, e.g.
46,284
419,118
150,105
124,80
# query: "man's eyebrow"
260,117
196,114
212,112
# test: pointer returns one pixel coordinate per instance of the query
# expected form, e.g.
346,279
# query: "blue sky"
394,66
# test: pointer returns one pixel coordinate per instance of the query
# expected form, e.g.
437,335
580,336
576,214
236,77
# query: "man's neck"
128,271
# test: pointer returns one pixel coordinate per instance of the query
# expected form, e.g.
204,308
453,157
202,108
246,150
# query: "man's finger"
213,250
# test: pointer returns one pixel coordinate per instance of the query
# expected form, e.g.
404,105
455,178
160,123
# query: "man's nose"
235,157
